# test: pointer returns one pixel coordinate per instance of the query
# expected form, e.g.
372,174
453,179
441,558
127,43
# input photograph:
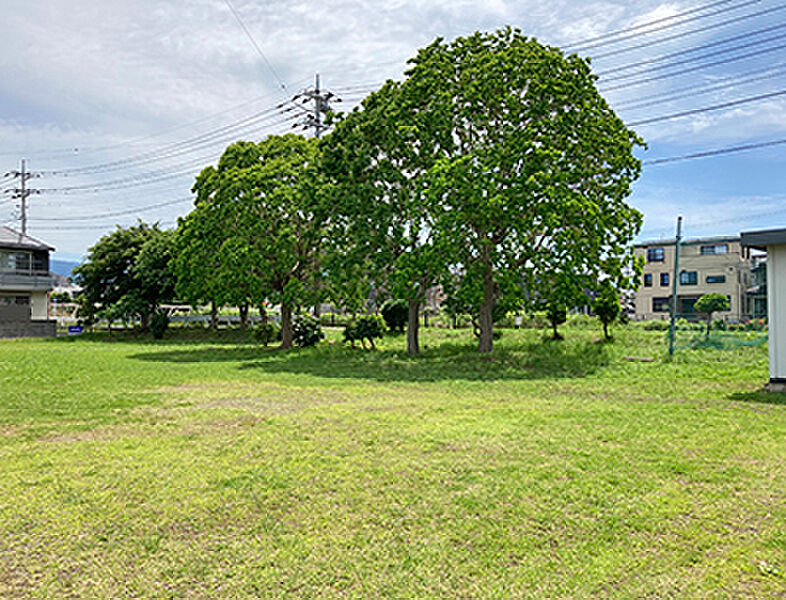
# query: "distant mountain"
62,267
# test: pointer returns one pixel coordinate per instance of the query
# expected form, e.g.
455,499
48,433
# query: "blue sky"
125,85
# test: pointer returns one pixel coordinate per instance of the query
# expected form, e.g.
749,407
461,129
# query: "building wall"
734,265
776,284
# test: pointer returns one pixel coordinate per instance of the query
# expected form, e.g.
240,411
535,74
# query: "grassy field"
204,469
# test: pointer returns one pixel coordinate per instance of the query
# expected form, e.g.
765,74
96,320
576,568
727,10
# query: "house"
25,283
713,264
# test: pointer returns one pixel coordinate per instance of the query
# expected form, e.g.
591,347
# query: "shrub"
755,325
655,325
396,314
368,327
267,332
158,325
306,331
719,324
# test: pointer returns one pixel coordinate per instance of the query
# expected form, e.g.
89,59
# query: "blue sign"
74,329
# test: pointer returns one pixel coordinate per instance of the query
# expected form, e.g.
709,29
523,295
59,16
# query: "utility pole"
674,284
313,120
22,192
23,196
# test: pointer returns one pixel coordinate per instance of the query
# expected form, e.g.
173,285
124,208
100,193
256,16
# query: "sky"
117,105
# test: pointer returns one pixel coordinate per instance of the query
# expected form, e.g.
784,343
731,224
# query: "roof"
10,238
762,239
689,242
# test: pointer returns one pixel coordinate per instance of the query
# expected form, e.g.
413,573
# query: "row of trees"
493,169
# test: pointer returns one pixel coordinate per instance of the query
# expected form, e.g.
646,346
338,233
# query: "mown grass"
203,468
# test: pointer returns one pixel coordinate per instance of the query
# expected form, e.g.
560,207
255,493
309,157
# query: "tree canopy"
543,170
127,274
257,230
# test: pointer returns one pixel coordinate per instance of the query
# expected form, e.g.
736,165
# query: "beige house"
707,265
25,283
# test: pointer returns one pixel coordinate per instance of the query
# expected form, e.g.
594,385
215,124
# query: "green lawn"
204,469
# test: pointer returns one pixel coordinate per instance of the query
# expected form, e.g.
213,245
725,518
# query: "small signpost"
74,329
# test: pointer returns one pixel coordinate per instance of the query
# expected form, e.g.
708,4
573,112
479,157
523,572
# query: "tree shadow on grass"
179,337
449,361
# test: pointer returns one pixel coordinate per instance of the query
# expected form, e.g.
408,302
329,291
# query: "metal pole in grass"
674,283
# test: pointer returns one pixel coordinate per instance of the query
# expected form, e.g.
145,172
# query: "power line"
708,153
133,211
138,140
694,111
604,41
254,43
177,148
703,29
694,91
688,60
691,69
728,40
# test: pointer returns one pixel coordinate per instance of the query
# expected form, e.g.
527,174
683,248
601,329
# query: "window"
716,279
664,279
689,278
14,262
654,254
660,305
647,279
715,249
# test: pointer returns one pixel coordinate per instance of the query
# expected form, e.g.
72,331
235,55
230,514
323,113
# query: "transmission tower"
321,106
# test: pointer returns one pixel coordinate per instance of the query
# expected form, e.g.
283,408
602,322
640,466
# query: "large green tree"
257,229
127,274
378,159
543,168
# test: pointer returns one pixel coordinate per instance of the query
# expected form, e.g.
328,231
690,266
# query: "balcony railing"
25,280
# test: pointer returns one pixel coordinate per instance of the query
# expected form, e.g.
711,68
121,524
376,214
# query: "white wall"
776,309
39,306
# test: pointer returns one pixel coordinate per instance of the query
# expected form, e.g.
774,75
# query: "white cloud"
86,74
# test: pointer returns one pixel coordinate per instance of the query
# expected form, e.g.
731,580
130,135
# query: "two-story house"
25,283
713,264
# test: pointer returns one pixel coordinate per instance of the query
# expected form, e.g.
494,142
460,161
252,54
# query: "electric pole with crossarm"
313,119
22,192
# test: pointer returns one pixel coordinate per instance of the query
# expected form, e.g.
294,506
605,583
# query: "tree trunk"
317,310
286,326
213,315
413,324
709,323
262,314
605,330
486,318
243,316
425,318
145,321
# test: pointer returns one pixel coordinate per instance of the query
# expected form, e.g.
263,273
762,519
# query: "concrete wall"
10,329
776,307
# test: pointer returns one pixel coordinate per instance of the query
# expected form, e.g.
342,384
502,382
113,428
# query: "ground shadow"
760,396
448,361
187,337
